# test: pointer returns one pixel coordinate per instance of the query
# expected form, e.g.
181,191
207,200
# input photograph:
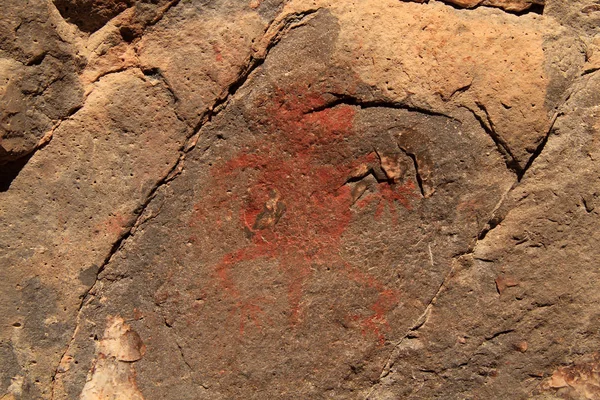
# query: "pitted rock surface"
299,199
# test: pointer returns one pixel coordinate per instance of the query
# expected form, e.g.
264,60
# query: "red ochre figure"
298,205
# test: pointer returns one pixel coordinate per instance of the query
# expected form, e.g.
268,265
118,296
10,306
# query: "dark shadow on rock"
91,15
10,170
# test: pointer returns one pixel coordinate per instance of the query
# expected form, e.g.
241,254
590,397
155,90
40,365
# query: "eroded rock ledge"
507,5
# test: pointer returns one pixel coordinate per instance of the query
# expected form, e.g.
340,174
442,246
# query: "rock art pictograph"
217,199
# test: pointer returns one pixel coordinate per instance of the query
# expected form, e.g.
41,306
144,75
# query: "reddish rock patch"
297,205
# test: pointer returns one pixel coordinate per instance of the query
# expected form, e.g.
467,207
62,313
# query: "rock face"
39,82
299,199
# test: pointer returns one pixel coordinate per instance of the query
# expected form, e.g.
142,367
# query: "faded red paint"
377,322
114,225
218,55
468,205
388,194
304,157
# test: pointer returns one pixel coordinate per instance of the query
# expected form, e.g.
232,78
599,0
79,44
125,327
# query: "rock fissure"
517,8
497,334
509,159
342,99
111,72
590,71
288,22
183,358
540,147
156,73
12,169
418,323
418,176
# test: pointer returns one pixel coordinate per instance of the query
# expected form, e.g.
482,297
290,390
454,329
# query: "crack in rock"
516,7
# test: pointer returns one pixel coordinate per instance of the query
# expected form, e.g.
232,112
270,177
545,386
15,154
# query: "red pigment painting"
297,206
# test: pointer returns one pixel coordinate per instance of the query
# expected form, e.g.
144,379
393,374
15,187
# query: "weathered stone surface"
215,42
38,77
260,244
517,318
90,185
491,63
79,195
581,15
113,373
299,199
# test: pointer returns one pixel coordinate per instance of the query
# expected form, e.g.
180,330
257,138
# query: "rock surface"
39,82
299,199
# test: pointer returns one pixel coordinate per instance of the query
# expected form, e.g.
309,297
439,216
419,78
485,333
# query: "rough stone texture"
80,194
270,248
91,15
315,199
38,76
113,373
219,51
527,294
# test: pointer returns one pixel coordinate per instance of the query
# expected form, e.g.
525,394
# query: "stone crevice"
11,170
272,35
111,72
533,7
116,247
497,334
280,28
418,176
590,71
128,35
156,73
16,166
488,126
544,140
366,104
344,99
418,323
185,361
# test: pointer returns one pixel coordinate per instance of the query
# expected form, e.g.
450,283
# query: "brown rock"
581,380
38,77
93,183
521,346
113,373
496,68
299,199
312,283
552,309
503,282
392,165
213,47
